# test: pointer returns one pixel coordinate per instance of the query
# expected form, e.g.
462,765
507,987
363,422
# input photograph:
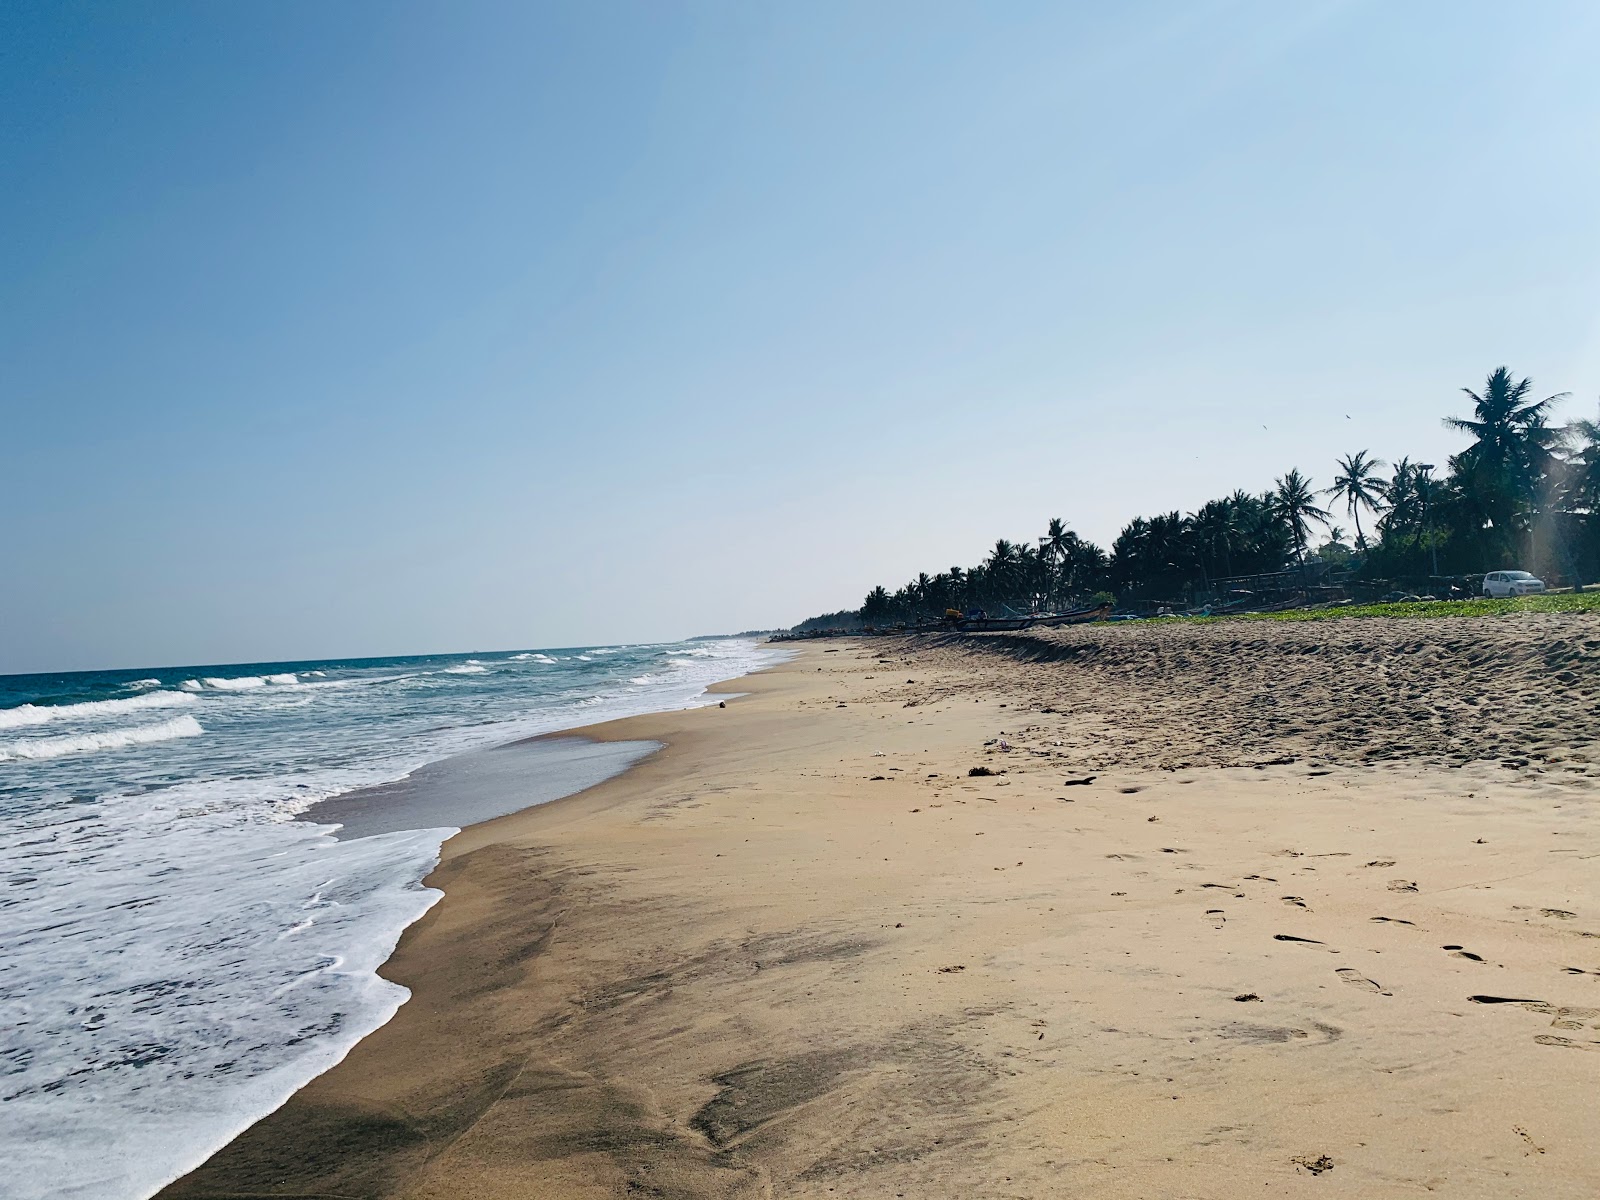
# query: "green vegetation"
1523,494
1483,606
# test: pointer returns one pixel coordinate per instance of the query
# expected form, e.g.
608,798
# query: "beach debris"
953,969
1289,937
1084,782
722,704
1316,1165
879,754
974,772
1246,997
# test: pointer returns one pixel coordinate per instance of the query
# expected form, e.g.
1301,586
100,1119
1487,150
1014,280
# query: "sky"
386,328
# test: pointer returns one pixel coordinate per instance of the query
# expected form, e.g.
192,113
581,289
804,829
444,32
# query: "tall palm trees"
1295,504
1520,476
1359,486
1511,456
1216,526
1055,548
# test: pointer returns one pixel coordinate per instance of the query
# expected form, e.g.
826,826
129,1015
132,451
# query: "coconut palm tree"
1295,504
1359,486
1056,547
1512,454
1215,527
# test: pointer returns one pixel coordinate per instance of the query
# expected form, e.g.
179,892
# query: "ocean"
178,952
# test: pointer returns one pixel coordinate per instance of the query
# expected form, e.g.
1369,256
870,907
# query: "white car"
1511,583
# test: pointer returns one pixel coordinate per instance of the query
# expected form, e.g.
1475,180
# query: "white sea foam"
470,668
178,957
286,677
538,658
25,715
139,684
642,679
109,739
190,972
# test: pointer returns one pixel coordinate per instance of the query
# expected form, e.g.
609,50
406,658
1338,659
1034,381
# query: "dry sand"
1265,910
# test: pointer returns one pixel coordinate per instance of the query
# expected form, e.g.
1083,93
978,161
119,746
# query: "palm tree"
1512,453
1005,568
1294,503
1215,527
1055,547
1582,490
1359,486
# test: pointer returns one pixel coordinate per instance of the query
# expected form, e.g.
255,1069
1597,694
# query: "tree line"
1524,493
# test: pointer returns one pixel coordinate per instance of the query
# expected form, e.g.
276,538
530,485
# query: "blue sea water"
178,954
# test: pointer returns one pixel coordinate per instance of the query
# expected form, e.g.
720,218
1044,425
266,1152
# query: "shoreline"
355,809
802,951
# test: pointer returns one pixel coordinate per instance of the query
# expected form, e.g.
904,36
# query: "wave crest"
111,739
25,715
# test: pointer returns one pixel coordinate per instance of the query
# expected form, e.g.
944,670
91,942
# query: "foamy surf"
161,900
25,715
110,739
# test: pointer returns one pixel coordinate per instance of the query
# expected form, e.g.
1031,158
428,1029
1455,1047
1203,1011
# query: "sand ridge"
803,952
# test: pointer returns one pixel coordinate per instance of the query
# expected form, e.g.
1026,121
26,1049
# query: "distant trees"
1523,492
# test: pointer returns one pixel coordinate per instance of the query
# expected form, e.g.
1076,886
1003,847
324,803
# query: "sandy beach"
1154,910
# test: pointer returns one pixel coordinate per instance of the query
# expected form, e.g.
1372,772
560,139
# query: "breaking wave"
239,683
111,739
26,715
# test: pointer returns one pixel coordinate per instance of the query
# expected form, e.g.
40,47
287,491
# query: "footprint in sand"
1402,885
1550,1039
1559,914
1392,920
1458,952
1357,979
1217,919
1297,901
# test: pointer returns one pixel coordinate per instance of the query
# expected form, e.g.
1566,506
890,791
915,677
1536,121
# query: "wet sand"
1194,934
468,789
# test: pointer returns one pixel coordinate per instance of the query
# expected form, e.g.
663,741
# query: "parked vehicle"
1511,583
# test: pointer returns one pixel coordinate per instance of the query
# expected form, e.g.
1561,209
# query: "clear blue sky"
354,328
